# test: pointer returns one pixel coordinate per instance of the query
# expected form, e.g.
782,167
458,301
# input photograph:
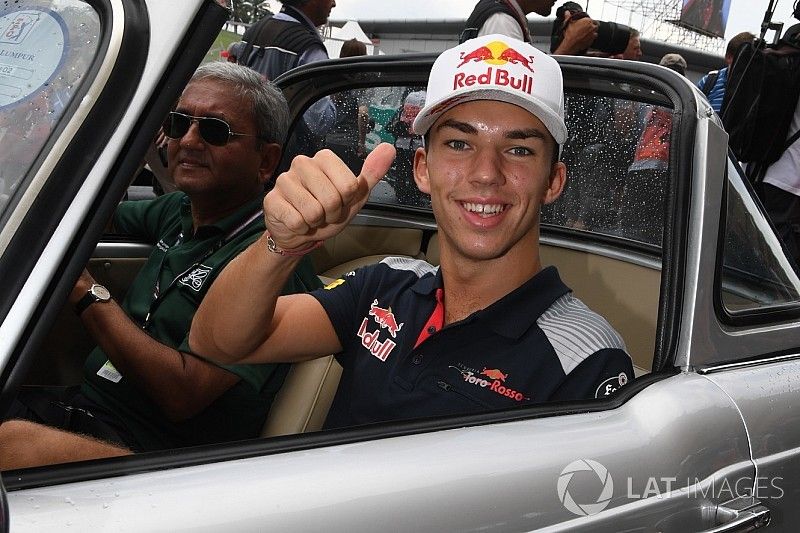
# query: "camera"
612,38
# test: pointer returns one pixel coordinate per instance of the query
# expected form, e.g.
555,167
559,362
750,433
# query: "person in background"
233,51
633,52
406,144
508,17
278,43
674,62
713,84
347,138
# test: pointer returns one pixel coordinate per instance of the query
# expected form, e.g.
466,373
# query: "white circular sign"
32,47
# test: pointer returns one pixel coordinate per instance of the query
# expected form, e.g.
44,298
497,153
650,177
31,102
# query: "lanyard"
158,293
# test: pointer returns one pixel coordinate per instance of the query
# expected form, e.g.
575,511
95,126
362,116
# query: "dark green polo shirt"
185,263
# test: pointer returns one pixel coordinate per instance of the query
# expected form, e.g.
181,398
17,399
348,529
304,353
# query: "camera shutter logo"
590,508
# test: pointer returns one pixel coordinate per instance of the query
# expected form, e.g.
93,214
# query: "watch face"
100,292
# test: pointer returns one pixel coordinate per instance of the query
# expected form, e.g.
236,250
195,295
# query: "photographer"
508,17
609,38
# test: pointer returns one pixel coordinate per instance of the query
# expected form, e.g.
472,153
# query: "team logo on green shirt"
195,279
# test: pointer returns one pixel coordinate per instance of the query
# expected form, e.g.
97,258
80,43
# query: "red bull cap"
496,67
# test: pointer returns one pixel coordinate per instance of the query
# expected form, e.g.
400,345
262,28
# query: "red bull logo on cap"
496,54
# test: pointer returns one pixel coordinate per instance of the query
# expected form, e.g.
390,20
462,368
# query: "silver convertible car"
658,230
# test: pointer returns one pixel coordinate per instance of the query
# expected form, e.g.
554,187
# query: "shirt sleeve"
599,375
143,219
503,24
702,82
340,300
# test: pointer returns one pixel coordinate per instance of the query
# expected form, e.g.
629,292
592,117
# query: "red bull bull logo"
494,374
495,54
385,318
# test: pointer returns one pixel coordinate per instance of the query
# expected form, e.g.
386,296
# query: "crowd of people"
200,344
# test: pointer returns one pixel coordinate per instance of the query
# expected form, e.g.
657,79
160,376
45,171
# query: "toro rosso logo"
496,54
492,379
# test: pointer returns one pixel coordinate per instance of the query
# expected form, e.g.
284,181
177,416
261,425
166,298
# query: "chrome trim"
704,370
122,250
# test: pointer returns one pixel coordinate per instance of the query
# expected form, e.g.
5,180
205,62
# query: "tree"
249,10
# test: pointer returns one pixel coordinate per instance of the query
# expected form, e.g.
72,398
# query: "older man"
490,328
142,388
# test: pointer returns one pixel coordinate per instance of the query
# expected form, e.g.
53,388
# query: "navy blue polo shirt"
539,343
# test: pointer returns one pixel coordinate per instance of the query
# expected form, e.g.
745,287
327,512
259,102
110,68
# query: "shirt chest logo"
371,339
195,279
492,379
385,318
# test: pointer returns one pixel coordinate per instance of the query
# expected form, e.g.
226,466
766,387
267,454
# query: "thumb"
377,164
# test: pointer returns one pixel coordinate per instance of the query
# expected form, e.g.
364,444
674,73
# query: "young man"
142,389
490,328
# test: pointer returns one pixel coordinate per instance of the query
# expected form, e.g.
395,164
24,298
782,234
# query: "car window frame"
755,317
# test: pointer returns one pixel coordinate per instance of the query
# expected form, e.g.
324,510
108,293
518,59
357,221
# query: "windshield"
46,48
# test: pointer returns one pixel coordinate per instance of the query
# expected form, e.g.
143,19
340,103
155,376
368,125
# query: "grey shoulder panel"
576,332
417,266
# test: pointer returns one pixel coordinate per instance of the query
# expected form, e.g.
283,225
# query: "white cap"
496,67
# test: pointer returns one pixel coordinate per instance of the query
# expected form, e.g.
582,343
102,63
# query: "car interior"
621,282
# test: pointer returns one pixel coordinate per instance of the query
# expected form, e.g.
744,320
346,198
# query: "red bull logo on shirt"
371,339
385,318
496,54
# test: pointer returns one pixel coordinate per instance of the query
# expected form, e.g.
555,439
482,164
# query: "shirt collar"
515,313
298,15
222,226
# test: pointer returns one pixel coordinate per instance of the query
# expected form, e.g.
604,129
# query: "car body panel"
499,477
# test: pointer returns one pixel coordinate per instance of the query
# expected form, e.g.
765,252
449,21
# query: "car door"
668,452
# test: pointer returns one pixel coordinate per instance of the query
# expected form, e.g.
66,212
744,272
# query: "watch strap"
86,300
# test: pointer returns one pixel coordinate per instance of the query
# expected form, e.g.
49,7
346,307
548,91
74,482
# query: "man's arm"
242,318
180,384
578,35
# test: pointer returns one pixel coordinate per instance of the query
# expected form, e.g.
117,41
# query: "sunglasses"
214,131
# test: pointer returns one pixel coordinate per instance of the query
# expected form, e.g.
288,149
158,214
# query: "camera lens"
612,38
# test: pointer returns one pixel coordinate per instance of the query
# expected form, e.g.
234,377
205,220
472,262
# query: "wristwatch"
96,293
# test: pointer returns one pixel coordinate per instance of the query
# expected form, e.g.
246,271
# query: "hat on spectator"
675,62
496,67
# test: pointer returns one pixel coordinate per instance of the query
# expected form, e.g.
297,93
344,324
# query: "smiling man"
488,329
142,390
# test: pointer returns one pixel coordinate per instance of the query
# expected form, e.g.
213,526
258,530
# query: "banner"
708,17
